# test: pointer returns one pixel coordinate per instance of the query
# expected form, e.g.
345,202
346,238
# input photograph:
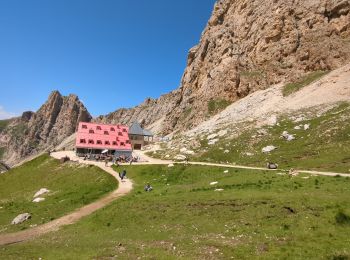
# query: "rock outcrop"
250,45
50,125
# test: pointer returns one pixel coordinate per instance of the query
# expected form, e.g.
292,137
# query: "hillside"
34,132
315,116
248,46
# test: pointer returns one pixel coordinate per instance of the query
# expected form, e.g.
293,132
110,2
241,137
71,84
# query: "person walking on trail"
123,174
106,161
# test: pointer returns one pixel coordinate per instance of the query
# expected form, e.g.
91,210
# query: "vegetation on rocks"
290,88
257,215
71,185
217,105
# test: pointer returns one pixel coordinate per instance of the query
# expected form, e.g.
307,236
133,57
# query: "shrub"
342,218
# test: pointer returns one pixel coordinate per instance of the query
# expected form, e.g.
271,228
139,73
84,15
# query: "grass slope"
290,88
325,146
258,215
71,186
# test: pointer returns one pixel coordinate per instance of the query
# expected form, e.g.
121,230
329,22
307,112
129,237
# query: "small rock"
287,136
268,148
249,154
41,192
262,132
272,121
226,151
180,157
306,127
170,165
38,199
218,189
213,183
297,127
21,218
222,133
212,136
226,171
213,141
167,156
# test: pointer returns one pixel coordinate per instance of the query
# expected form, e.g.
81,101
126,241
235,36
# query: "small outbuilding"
139,137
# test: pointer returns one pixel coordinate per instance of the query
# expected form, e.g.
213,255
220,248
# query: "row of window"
83,141
105,132
112,129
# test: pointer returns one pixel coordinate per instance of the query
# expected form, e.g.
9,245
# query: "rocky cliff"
34,132
249,45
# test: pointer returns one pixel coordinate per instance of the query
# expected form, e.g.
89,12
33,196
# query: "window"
99,142
112,129
115,143
91,131
124,130
98,127
84,126
107,143
120,133
128,141
82,141
122,144
106,132
91,141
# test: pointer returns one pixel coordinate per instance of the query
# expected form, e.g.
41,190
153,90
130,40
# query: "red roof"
100,136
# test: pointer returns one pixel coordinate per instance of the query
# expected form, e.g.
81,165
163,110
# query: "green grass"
290,88
217,105
4,124
2,152
325,146
259,215
71,187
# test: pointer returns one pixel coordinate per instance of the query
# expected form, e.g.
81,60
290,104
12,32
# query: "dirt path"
123,188
150,160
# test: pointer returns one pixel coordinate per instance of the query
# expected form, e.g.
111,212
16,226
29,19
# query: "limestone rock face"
246,46
35,132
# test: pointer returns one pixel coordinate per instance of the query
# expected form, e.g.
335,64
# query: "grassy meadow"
71,186
257,215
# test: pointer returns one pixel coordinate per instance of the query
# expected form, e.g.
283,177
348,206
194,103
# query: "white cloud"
5,115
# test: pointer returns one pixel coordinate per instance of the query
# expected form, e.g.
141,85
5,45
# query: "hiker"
148,187
123,174
106,161
272,166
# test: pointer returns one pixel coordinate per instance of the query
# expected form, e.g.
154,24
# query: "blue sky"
111,53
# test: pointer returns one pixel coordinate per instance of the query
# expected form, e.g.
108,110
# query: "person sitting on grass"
148,187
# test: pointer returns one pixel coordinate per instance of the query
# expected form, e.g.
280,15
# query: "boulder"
268,148
36,200
213,183
306,127
226,151
298,127
287,136
170,165
180,157
41,192
21,218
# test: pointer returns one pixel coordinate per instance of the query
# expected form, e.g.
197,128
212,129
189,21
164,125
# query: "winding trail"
124,188
150,160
